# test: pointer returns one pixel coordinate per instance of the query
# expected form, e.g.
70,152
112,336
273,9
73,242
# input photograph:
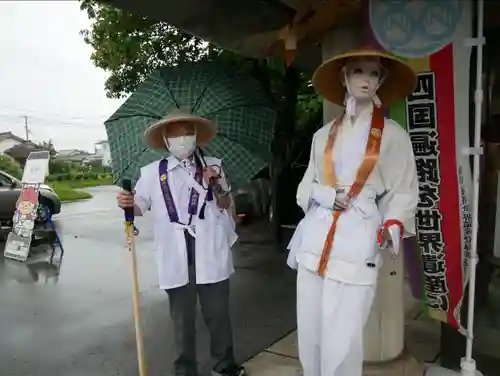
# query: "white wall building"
101,149
8,140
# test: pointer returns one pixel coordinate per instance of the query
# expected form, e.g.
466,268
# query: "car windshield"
5,181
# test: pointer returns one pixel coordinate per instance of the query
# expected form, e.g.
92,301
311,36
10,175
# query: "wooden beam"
314,18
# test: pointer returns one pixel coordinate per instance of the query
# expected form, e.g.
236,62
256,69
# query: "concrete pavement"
422,340
77,321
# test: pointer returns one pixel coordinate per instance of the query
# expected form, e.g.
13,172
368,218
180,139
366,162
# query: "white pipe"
468,364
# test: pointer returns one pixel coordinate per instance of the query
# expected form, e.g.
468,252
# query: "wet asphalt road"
78,321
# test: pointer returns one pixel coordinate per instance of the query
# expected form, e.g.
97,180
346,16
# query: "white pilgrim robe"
215,235
332,310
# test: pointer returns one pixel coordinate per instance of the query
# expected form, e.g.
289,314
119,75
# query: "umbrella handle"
129,212
210,194
129,229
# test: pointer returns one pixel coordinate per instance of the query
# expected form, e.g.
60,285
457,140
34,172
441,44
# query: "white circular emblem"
415,28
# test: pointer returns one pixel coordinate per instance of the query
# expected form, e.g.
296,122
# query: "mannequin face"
363,78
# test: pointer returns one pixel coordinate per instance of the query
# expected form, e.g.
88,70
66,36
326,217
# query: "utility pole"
26,127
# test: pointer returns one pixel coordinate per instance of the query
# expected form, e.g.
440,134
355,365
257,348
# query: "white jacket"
215,234
391,192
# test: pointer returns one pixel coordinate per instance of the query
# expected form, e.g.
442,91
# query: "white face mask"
181,147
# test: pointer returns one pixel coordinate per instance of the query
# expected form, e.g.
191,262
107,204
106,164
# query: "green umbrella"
243,112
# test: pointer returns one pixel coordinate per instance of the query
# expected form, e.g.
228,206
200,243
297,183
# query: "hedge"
79,176
10,166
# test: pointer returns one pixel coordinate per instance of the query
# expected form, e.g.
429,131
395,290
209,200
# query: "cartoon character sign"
18,242
27,203
26,212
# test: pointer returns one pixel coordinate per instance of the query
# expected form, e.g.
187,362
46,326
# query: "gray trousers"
214,302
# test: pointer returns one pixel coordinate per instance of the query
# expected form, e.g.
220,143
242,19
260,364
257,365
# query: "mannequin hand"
393,233
390,238
386,237
395,236
341,200
329,197
323,195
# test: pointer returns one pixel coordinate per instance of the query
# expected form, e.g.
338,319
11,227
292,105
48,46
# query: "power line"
50,122
45,114
56,119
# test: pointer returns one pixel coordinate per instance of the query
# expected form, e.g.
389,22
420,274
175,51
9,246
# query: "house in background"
21,152
101,156
19,149
101,149
16,147
74,156
9,140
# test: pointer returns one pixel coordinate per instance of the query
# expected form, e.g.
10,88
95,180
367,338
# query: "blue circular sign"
415,28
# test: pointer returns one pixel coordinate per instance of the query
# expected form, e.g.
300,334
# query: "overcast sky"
46,74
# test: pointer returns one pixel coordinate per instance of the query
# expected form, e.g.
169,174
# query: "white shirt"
215,234
391,192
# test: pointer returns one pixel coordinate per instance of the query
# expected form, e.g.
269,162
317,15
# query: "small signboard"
37,168
18,242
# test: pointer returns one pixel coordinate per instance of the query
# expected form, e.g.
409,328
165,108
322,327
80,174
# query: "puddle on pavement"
38,269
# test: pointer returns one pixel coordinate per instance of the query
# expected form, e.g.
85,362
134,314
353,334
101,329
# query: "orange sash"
365,169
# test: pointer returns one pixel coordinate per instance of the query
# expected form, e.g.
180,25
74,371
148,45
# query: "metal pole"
468,363
26,128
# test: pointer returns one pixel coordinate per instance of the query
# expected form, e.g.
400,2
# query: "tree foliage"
130,47
49,146
10,166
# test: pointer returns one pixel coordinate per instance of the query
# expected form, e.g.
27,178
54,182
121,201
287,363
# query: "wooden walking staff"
129,230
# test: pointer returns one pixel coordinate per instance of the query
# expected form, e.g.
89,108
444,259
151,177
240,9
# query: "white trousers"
331,316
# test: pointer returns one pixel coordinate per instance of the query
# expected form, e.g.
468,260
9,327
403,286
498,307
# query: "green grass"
68,190
86,183
67,193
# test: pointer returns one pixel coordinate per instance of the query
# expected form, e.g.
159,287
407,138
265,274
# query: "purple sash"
167,194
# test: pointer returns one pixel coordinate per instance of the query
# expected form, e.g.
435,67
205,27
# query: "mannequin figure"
359,195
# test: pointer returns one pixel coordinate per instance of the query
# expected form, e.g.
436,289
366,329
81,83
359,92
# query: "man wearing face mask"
188,196
359,195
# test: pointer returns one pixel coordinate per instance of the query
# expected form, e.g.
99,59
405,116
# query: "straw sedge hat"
205,129
399,83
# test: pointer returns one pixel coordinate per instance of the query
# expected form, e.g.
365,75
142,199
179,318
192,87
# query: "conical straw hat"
399,83
205,129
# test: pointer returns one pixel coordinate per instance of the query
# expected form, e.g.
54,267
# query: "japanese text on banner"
423,130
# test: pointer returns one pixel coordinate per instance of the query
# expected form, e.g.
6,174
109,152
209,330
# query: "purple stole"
193,198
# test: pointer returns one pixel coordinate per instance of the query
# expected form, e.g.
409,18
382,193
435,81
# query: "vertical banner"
429,35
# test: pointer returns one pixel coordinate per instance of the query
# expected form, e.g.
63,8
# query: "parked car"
10,189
